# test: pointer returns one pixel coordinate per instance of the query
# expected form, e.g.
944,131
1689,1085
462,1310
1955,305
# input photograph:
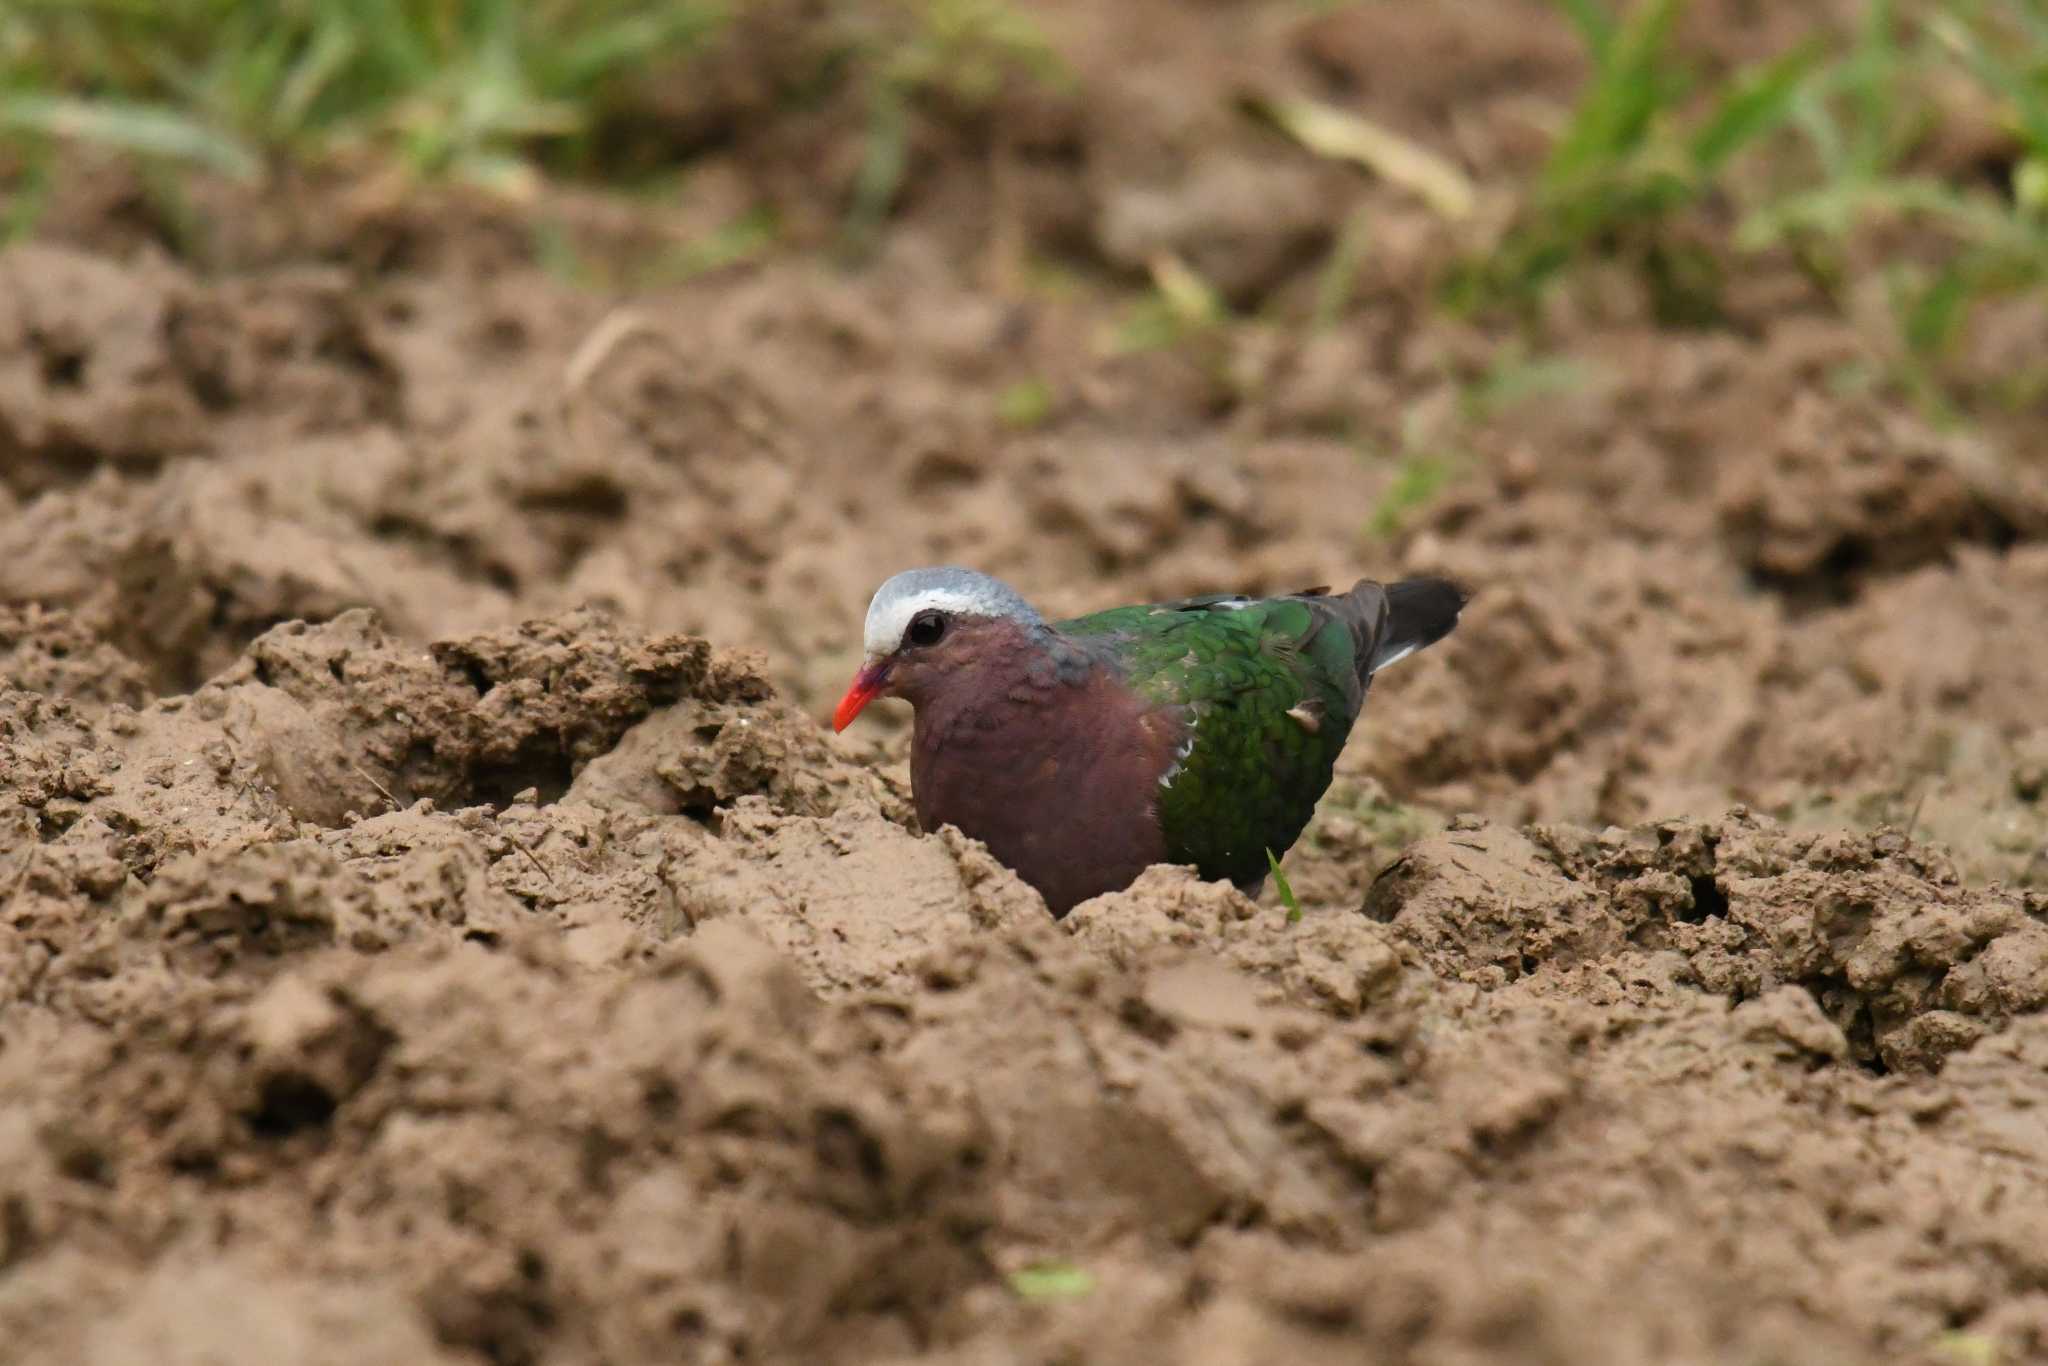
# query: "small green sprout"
1052,1281
1025,405
1286,891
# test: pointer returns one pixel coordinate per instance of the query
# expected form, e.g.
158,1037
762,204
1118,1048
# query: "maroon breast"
1060,779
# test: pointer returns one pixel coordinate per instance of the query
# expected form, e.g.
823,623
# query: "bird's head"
918,623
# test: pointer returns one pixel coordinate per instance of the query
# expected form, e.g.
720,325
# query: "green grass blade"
881,170
147,129
1931,318
1337,283
401,44
1759,104
1630,85
634,40
1510,382
1420,476
2021,89
31,193
2034,19
1286,891
1871,75
130,10
1595,26
1052,1281
1812,116
332,48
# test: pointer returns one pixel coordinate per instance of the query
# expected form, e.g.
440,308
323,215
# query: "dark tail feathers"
1419,612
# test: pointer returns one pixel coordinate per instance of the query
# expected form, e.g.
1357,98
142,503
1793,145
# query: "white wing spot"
1180,757
1394,658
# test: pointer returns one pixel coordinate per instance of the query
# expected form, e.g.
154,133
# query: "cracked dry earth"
436,924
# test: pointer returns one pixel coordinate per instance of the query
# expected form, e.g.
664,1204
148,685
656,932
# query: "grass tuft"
475,88
1861,121
1637,152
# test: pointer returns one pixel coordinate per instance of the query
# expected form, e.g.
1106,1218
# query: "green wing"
1269,686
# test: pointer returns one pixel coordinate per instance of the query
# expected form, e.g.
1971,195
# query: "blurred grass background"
1675,175
478,88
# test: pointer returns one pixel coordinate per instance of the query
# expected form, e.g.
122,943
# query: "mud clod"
1903,961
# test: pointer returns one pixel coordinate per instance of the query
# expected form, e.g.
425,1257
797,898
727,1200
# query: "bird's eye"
925,628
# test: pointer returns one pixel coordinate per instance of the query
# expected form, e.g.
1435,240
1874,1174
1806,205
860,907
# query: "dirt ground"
436,923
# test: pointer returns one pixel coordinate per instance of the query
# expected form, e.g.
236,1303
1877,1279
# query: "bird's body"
1201,731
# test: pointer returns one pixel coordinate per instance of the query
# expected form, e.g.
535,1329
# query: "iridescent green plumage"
1269,689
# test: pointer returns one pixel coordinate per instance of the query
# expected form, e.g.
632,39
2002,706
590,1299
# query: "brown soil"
435,923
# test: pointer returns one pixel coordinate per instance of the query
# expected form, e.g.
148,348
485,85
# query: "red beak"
866,684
